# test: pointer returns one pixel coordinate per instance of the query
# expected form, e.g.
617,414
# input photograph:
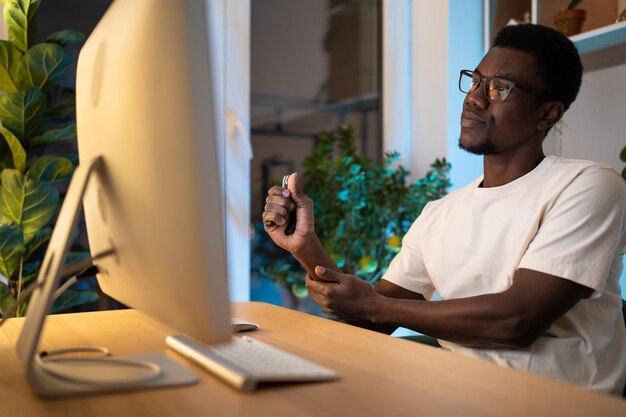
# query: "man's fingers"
292,185
277,190
296,194
281,201
272,220
328,275
276,208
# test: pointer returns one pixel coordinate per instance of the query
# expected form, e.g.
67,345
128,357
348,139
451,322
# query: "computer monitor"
150,179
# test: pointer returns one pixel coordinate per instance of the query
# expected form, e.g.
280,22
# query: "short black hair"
555,55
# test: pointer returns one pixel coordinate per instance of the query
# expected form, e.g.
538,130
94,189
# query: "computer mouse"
241,325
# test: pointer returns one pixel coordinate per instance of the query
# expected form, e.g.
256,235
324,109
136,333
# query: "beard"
485,148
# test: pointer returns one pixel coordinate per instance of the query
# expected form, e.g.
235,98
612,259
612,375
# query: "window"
314,65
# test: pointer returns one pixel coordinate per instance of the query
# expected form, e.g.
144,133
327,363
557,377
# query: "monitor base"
98,376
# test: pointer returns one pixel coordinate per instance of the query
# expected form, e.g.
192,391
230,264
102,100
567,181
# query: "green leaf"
622,154
50,168
42,63
21,112
72,298
55,135
6,156
28,203
75,257
41,239
72,157
6,298
66,37
60,103
10,57
19,16
11,248
573,3
18,154
299,290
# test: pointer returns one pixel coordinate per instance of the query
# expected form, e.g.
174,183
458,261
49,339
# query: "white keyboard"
245,362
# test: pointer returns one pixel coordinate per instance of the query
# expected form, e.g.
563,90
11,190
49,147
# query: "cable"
76,369
23,295
50,354
87,370
86,273
81,269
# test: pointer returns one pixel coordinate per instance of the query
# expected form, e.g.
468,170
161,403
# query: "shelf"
497,13
600,38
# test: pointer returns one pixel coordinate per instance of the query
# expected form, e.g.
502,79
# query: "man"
526,259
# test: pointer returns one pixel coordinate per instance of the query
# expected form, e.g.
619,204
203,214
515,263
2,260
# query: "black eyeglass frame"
484,81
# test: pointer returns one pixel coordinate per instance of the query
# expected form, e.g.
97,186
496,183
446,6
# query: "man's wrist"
309,248
374,308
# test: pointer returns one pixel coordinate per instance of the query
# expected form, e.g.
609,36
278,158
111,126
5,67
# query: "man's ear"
551,113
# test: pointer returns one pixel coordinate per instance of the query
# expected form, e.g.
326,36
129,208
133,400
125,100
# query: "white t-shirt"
565,218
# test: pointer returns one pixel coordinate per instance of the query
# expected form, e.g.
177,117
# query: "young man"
526,259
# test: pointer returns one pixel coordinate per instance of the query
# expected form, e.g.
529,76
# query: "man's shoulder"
579,165
571,170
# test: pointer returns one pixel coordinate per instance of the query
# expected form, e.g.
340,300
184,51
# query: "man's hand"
279,205
343,296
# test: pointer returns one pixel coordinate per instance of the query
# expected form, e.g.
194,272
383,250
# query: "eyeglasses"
496,89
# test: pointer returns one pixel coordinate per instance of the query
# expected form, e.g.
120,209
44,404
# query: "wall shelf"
497,13
600,38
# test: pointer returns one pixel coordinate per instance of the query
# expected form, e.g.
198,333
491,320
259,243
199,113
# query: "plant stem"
19,288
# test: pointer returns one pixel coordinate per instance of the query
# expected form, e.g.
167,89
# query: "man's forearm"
514,318
313,254
476,321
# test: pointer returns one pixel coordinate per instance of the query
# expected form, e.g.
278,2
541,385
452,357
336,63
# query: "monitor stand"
63,376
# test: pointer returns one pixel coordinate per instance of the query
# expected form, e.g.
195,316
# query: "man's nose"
477,98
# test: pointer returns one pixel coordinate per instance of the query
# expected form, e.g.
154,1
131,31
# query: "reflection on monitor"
149,175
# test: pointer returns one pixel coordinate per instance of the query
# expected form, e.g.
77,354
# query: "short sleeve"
583,232
407,269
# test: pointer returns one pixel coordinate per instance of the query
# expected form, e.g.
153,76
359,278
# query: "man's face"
489,127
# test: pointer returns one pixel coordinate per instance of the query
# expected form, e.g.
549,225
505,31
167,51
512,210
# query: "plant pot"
570,21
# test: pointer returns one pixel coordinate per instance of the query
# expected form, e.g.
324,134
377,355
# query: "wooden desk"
382,376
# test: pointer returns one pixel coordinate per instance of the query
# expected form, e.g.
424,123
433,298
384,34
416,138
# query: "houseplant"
37,158
570,21
362,209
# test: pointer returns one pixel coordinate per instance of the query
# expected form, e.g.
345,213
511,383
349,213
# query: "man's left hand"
343,296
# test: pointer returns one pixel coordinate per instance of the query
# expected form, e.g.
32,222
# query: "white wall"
229,23
595,125
430,84
396,78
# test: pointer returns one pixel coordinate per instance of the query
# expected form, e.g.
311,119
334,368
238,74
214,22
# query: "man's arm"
389,290
514,318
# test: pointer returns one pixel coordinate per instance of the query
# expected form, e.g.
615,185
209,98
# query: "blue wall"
465,50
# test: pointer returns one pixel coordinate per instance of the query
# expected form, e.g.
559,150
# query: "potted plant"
362,210
37,149
570,21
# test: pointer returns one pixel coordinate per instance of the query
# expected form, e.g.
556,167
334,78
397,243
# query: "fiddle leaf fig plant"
36,114
362,208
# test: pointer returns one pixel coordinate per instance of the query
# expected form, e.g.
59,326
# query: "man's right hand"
279,205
